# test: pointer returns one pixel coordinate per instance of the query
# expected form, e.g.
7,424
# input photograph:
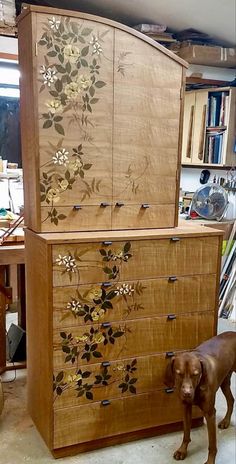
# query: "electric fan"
209,202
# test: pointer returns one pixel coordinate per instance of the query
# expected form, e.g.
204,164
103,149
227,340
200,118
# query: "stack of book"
218,106
217,120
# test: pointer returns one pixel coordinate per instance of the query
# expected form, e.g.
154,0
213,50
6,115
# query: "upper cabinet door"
147,86
75,108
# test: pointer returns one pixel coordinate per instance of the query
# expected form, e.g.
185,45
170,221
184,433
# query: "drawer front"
141,337
96,382
85,423
144,259
74,306
143,215
75,217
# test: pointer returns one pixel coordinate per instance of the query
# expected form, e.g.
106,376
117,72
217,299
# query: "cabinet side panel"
28,121
39,334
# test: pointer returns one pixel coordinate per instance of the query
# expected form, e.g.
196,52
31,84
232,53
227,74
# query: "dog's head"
185,372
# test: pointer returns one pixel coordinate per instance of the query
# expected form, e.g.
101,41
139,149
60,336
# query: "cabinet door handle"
175,239
170,317
119,204
170,354
105,402
106,364
172,279
106,324
145,206
169,390
77,207
106,284
104,204
106,243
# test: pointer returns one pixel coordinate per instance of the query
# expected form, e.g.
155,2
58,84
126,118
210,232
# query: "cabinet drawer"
76,386
137,259
82,217
84,423
96,343
132,299
142,216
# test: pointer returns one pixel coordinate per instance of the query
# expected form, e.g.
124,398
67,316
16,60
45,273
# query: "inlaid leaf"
99,84
60,69
61,57
63,335
53,93
58,85
66,349
87,166
86,374
81,39
89,395
85,51
60,376
86,31
52,53
61,216
84,62
92,91
103,252
59,390
94,100
132,389
127,247
97,354
107,270
80,393
47,124
74,27
132,381
117,334
58,118
59,128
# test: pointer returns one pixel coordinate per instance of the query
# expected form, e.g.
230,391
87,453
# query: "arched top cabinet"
101,117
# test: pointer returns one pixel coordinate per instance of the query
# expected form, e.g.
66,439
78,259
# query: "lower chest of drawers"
103,318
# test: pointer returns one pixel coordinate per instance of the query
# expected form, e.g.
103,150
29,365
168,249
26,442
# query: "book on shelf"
213,153
218,109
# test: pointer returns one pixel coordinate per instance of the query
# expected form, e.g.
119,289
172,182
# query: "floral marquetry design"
73,55
58,175
87,383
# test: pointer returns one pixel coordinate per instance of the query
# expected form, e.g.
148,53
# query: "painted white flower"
71,53
61,157
72,90
61,260
124,289
84,81
97,49
53,195
54,23
70,264
48,74
74,306
54,106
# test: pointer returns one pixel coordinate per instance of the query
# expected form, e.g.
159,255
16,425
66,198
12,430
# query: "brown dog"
197,376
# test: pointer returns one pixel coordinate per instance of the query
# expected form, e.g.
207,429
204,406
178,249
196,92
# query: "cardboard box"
206,55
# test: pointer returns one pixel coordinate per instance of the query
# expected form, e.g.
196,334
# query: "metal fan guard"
210,201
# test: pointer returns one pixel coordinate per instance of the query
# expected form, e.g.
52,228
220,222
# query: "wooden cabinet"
101,114
209,127
105,312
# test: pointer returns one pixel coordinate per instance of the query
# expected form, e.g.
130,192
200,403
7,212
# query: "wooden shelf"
205,165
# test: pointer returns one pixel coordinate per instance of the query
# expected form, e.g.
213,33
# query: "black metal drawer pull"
170,317
169,390
104,204
107,243
170,354
175,239
119,203
105,402
145,205
77,207
106,284
106,324
172,279
106,364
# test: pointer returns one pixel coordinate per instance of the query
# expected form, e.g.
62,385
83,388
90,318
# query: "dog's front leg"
211,427
181,452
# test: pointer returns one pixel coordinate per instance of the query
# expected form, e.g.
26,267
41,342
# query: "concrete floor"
20,442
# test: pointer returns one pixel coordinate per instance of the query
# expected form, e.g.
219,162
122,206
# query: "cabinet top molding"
76,14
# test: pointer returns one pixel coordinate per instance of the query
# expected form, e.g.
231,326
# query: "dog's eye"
178,372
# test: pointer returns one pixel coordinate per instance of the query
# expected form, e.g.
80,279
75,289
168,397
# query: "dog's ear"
169,379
